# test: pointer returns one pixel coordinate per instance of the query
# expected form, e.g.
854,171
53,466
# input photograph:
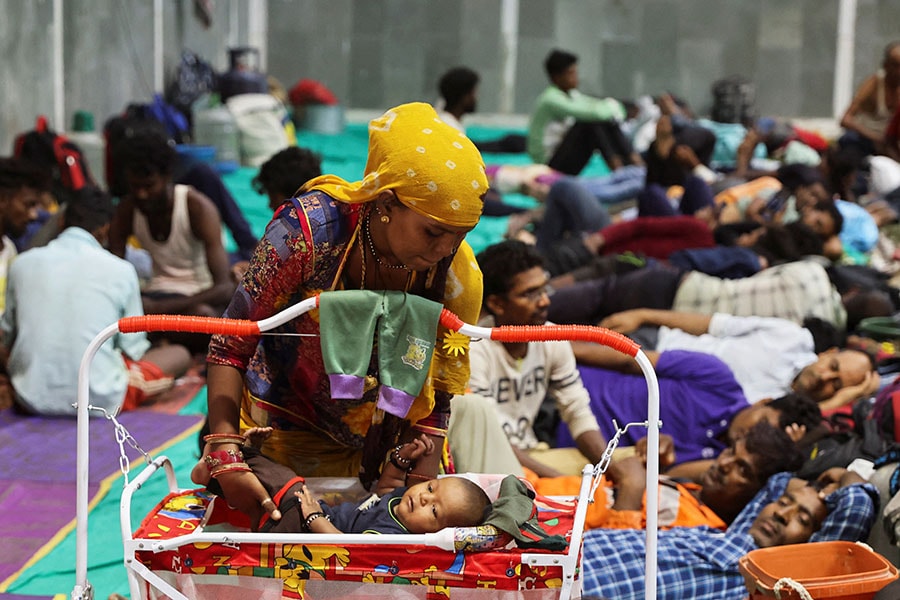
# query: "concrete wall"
377,53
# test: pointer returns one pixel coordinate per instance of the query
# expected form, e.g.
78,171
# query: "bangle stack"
225,461
224,438
440,432
404,464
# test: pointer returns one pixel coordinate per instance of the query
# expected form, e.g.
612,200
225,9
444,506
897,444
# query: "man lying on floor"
700,563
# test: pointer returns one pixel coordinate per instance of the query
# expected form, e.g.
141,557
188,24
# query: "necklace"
378,260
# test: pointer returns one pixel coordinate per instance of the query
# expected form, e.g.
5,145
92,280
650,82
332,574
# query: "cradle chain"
601,467
123,436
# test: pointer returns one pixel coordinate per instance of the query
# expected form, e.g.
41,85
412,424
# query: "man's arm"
865,97
591,444
572,400
120,227
595,355
691,470
584,107
629,476
8,324
629,320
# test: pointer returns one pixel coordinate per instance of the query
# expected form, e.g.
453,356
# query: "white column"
509,35
159,82
843,60
258,29
58,68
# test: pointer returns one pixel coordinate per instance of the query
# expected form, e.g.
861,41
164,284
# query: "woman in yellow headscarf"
400,228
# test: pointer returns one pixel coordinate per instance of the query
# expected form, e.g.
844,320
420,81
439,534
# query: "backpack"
734,100
59,155
860,435
886,411
194,78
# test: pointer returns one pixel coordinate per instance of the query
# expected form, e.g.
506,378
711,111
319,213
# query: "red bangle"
225,438
218,458
230,468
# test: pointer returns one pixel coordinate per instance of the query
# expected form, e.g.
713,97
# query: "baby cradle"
194,542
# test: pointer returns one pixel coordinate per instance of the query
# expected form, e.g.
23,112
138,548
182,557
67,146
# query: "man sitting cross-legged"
518,376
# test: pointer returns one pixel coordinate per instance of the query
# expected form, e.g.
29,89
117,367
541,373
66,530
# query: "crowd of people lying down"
748,260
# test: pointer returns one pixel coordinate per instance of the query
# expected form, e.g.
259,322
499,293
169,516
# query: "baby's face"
432,505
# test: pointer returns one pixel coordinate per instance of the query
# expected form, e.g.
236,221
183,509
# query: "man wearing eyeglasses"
519,376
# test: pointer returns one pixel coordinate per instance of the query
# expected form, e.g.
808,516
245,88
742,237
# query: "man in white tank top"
178,226
875,101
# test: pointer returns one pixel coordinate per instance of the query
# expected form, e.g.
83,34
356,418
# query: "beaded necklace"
378,260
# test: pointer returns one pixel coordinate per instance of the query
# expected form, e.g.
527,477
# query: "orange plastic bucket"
835,570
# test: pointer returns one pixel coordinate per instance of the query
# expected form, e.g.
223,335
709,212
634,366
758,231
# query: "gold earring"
384,219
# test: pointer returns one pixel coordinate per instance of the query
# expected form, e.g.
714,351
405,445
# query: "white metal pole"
843,60
258,30
652,482
158,43
82,466
509,38
59,82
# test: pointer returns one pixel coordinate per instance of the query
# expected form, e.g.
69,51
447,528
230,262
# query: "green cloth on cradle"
406,327
514,512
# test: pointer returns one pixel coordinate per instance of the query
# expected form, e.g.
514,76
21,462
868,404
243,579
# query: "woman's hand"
417,448
243,491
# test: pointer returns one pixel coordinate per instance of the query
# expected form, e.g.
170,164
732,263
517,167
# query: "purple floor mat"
37,472
43,449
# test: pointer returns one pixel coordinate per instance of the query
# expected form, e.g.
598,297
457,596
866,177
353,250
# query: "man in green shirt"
567,126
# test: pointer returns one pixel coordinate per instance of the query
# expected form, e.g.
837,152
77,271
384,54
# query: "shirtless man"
875,101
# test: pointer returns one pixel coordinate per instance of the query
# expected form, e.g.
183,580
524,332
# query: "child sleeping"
425,507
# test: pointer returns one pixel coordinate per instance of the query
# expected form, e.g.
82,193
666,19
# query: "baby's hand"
308,503
257,435
417,448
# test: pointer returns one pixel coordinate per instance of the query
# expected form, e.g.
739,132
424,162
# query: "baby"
425,507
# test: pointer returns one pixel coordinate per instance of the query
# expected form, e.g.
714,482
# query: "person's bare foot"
667,105
525,236
535,189
517,222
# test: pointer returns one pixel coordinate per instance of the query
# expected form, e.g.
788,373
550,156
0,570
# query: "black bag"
734,100
860,435
194,78
57,154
